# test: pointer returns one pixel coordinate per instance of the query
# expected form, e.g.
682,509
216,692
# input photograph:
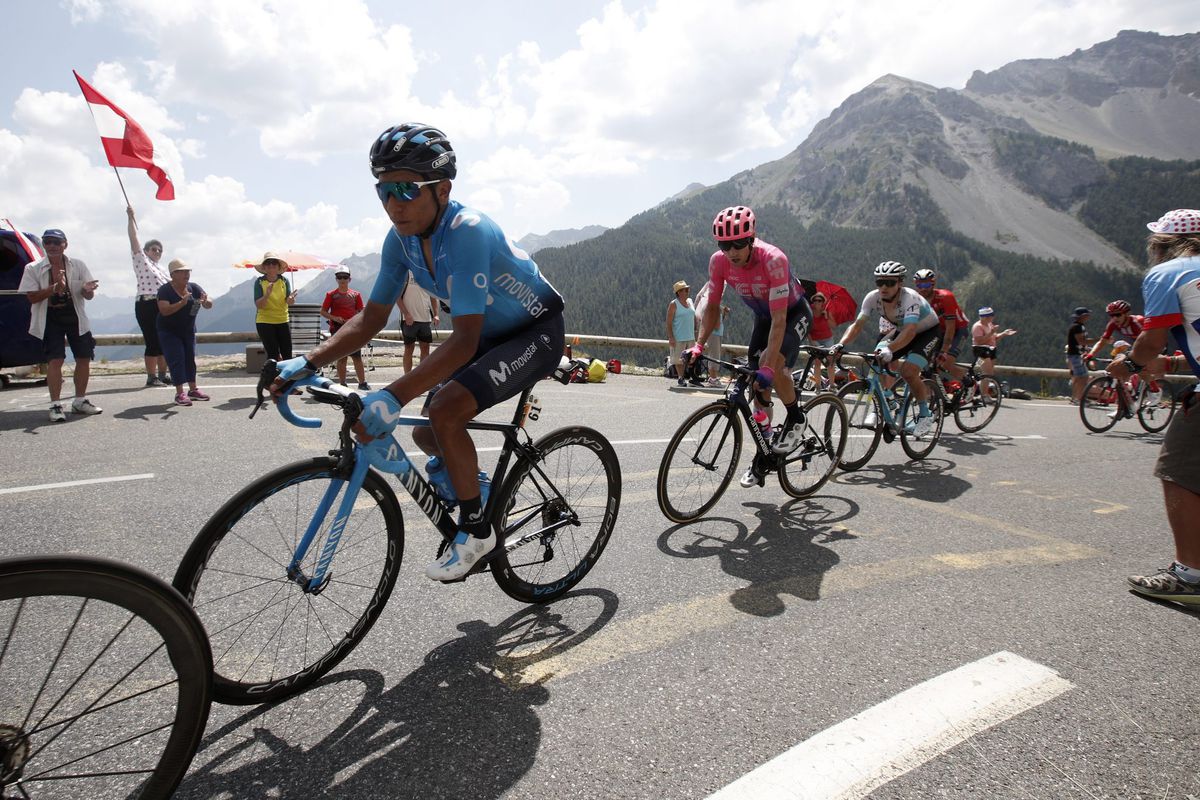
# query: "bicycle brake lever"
270,371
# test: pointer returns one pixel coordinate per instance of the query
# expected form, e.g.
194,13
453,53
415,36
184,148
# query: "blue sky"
563,114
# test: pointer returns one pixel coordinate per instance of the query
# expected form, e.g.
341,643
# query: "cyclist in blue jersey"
915,338
508,323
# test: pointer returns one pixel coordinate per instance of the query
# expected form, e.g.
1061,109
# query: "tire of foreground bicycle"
808,467
269,638
1155,418
583,467
1096,415
969,415
69,704
861,441
712,435
918,449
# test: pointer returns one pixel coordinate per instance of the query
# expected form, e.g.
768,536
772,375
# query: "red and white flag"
125,143
31,250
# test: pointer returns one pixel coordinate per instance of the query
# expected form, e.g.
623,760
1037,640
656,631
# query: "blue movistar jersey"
476,270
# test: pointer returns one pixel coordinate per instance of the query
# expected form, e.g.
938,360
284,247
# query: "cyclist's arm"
951,329
1097,347
852,331
906,334
1147,350
442,361
772,357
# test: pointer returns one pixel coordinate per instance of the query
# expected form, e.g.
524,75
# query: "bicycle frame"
875,372
737,394
388,456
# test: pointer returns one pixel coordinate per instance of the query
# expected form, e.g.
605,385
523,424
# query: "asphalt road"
692,654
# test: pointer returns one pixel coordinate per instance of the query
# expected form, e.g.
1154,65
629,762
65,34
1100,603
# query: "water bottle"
439,478
485,487
763,420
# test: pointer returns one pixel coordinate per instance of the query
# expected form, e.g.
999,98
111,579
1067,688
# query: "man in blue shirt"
508,324
1171,291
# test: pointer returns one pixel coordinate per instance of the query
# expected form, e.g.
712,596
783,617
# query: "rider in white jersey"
915,340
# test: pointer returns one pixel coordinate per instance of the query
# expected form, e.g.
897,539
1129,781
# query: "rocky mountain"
1137,94
533,242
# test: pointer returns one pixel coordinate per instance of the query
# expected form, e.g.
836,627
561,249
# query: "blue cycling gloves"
381,412
296,369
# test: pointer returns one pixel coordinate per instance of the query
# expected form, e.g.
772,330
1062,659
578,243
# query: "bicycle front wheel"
1100,407
805,469
699,462
556,513
105,680
272,637
918,447
978,405
1155,413
861,439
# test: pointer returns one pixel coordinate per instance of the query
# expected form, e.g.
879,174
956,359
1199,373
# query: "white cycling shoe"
789,438
462,554
923,426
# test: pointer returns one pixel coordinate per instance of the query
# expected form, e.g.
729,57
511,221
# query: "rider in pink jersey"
760,274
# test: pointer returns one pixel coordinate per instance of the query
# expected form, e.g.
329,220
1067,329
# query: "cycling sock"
923,408
470,517
1186,573
795,414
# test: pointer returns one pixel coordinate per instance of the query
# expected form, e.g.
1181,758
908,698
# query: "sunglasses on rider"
924,284
403,191
888,282
1118,314
736,244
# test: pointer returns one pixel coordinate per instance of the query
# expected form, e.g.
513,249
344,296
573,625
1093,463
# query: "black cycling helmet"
413,146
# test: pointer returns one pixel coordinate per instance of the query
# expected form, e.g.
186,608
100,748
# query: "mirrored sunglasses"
403,191
924,284
736,244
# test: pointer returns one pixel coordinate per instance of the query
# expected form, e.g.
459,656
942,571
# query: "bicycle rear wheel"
1154,416
1100,407
270,637
805,469
861,439
699,462
978,405
557,514
919,448
105,680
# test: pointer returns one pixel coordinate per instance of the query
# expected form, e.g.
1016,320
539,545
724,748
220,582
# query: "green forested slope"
620,283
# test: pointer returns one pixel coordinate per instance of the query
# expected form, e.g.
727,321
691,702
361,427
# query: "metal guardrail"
583,339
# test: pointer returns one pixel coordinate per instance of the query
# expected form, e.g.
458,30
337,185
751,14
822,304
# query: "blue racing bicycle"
291,573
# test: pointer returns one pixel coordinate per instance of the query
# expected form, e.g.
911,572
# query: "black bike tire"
506,577
158,605
665,504
839,415
972,425
858,387
188,577
1168,396
908,442
1083,404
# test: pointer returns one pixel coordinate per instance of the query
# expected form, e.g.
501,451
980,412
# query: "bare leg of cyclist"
449,412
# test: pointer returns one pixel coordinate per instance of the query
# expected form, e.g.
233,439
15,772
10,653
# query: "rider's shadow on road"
973,444
932,479
464,724
784,554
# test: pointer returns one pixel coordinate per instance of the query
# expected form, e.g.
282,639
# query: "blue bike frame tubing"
876,370
388,457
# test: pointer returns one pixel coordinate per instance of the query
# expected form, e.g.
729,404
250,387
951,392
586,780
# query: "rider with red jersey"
951,319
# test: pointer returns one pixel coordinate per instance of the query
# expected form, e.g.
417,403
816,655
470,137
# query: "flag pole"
114,169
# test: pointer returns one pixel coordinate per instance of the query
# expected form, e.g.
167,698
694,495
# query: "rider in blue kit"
508,323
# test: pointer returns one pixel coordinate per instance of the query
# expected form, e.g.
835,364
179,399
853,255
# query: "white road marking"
41,486
855,757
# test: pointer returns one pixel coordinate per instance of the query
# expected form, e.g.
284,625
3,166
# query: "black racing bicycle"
291,573
702,456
